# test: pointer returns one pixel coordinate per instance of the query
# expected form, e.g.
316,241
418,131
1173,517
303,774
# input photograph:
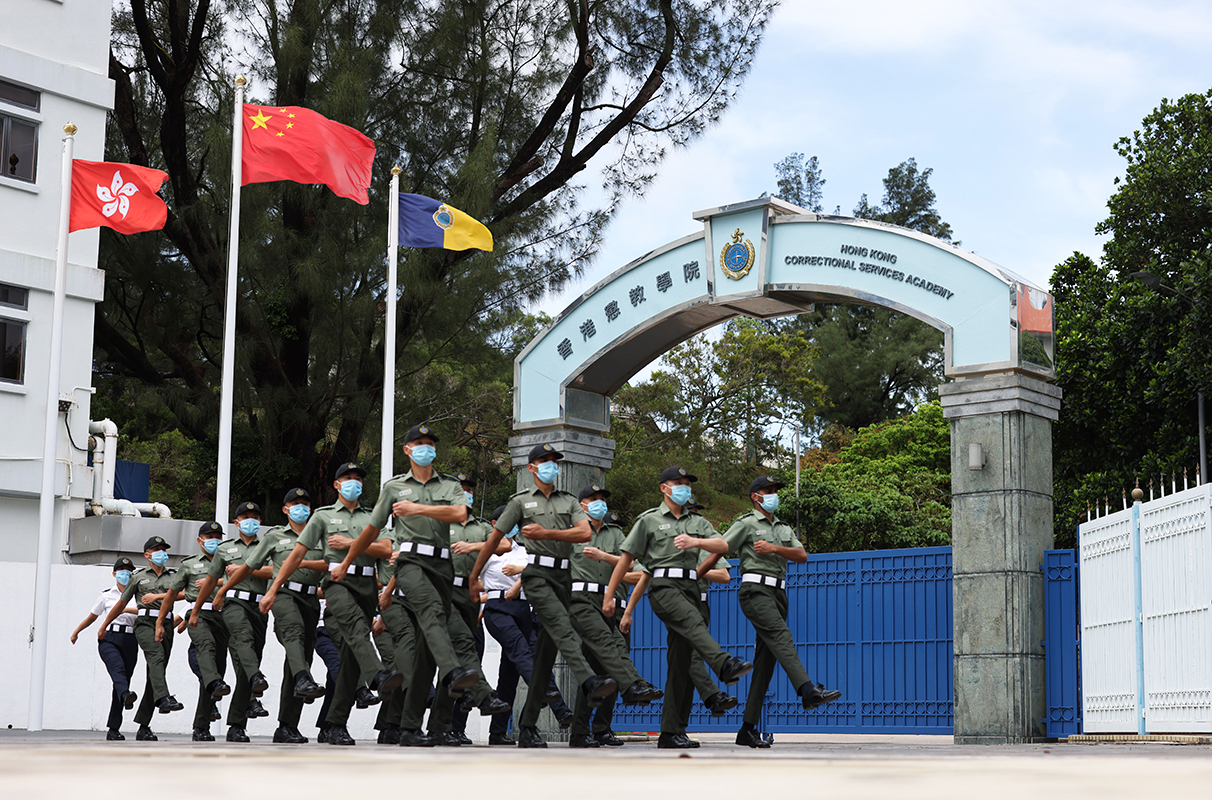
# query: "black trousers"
119,652
327,649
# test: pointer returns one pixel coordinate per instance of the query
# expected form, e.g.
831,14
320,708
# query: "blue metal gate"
875,625
1062,634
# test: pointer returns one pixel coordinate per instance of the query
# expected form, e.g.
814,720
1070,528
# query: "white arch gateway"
766,258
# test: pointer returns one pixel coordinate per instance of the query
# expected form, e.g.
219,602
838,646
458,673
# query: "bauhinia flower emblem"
116,196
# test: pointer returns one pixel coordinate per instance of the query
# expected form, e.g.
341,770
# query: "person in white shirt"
118,650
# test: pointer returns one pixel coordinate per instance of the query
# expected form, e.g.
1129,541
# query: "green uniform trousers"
766,608
465,615
210,643
155,656
699,676
549,591
246,640
427,583
352,605
396,646
296,616
606,650
676,603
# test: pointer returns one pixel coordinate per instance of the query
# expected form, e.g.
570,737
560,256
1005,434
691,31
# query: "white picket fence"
1146,616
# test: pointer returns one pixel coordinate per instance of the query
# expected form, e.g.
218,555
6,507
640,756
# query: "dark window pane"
14,296
12,350
19,95
19,149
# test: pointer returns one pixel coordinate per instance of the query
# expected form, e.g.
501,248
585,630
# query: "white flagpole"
389,335
50,453
223,473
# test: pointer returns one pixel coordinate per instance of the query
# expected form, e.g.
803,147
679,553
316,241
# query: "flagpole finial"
396,170
241,80
70,129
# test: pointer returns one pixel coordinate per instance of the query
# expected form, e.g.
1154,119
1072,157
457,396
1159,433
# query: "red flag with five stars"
118,196
288,143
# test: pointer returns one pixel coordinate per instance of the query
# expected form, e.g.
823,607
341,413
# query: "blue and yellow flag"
425,222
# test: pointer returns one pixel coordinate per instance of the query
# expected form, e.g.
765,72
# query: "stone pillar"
587,455
1001,524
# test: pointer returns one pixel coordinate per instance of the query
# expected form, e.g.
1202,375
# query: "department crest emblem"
443,218
736,259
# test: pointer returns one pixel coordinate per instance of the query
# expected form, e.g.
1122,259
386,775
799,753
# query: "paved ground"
76,764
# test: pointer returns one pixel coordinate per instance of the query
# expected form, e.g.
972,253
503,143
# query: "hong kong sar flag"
118,196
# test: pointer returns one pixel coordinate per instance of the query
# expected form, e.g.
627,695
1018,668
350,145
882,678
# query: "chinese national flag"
118,196
288,143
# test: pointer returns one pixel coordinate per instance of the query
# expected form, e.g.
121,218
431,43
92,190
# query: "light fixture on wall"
976,456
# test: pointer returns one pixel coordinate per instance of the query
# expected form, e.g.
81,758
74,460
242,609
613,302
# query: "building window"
19,137
12,351
14,296
20,96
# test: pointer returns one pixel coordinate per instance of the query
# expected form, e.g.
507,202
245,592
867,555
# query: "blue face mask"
680,494
122,576
423,454
299,513
351,490
770,503
549,471
512,533
159,558
210,546
597,509
249,527
471,500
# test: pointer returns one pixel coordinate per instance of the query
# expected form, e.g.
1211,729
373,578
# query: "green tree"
800,181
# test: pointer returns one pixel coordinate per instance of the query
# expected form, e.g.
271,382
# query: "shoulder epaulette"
649,511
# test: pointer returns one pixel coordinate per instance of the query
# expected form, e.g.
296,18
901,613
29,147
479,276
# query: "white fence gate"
1146,616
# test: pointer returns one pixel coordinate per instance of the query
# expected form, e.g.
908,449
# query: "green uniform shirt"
437,491
235,551
705,583
558,512
651,538
337,519
473,531
608,539
752,527
192,569
275,545
145,581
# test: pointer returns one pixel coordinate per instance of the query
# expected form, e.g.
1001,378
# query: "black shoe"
734,669
598,688
463,737
552,696
386,681
390,734
365,698
608,739
258,683
446,739
465,703
306,688
285,735
202,735
255,709
459,679
501,739
218,689
529,737
128,699
114,735
494,705
215,714
675,741
414,738
747,737
812,695
565,719
582,740
339,735
237,733
322,736
720,703
641,692
168,703
144,734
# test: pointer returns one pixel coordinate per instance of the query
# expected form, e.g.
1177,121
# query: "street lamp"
1154,283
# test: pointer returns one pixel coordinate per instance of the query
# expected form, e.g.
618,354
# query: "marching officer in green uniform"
448,723
208,633
604,645
351,602
397,650
245,622
665,539
149,587
296,612
420,506
766,544
551,521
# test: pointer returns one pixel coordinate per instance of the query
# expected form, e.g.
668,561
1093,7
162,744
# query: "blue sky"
1016,107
